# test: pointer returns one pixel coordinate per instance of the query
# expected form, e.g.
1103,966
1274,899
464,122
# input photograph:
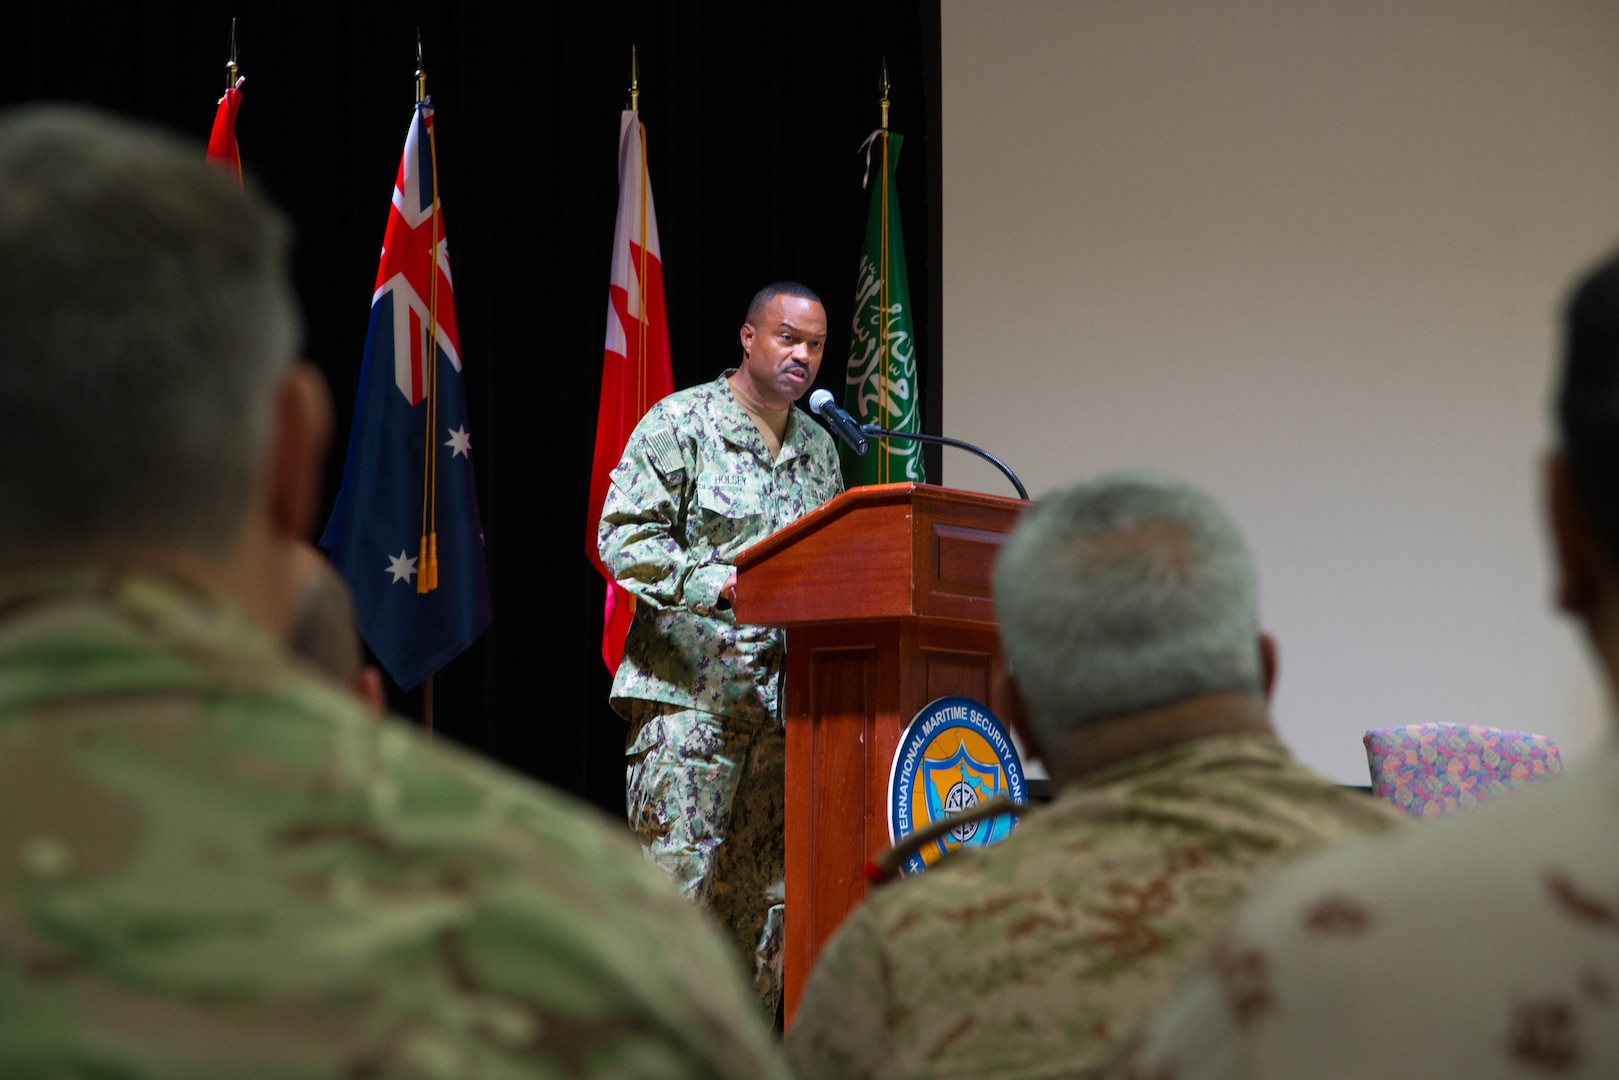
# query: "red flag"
635,367
222,149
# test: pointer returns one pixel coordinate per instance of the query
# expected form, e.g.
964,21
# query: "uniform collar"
736,426
1192,756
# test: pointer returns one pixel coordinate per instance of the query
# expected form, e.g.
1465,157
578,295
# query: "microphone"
842,424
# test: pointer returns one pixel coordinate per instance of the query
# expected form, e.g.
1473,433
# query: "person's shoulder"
248,812
684,413
819,439
559,845
555,909
990,881
1254,777
1335,806
1482,924
1475,867
670,434
704,393
599,913
683,401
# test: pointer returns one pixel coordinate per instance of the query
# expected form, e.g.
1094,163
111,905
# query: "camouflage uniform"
1032,958
1482,945
695,487
214,865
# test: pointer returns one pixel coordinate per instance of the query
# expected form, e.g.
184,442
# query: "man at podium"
708,472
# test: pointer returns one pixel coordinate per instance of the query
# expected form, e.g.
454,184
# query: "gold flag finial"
635,81
230,65
421,69
884,87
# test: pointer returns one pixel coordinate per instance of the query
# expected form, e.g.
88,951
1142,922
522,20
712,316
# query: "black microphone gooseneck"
944,440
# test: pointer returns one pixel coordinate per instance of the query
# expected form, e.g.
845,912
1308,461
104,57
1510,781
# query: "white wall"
1309,256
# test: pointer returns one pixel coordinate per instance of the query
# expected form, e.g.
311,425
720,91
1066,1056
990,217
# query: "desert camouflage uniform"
1032,958
1482,945
695,487
214,865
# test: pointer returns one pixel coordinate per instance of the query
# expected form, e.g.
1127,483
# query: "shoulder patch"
665,451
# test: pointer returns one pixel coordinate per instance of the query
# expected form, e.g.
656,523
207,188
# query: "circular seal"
953,755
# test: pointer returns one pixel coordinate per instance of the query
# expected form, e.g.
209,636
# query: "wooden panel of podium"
884,593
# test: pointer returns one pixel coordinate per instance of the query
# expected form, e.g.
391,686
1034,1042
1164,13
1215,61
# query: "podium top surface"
879,552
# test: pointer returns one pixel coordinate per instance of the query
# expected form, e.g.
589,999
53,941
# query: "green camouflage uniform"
214,865
695,487
1031,959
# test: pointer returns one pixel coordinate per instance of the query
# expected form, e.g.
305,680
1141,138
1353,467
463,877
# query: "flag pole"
884,101
421,71
427,577
222,148
641,305
424,574
883,462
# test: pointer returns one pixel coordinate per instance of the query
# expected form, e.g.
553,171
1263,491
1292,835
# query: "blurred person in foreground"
213,863
1481,945
1138,674
323,630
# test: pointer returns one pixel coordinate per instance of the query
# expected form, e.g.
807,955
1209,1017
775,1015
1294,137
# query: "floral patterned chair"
1433,769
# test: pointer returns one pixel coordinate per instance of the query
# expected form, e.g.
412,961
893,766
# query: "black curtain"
753,114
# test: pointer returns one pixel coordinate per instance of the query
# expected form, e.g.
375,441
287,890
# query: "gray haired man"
1138,674
214,862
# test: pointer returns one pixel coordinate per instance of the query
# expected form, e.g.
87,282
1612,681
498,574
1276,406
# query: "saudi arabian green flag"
882,354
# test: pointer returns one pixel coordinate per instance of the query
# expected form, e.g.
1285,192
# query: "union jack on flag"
415,262
405,531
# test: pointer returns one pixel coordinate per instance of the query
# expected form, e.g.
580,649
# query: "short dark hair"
1588,400
770,292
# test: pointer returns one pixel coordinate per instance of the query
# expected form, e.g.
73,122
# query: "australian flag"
405,532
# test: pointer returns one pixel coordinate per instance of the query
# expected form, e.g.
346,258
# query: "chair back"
1429,770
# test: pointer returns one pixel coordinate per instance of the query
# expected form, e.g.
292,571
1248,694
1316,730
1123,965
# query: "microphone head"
820,400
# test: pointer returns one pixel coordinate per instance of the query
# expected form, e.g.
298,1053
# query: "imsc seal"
954,755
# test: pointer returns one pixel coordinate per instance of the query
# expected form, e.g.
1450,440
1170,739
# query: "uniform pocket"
731,514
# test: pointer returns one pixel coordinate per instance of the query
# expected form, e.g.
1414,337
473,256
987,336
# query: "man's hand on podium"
728,591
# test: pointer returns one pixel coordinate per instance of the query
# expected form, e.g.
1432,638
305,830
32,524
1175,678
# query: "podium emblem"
953,756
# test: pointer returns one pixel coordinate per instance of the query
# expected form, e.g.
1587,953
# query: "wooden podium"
884,593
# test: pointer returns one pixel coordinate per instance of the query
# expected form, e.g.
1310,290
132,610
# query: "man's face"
781,351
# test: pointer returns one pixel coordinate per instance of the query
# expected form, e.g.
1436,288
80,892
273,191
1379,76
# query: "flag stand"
425,577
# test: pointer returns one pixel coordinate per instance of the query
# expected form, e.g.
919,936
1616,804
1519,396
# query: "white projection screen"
1309,256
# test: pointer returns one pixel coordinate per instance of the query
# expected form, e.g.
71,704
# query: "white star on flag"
460,441
402,568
